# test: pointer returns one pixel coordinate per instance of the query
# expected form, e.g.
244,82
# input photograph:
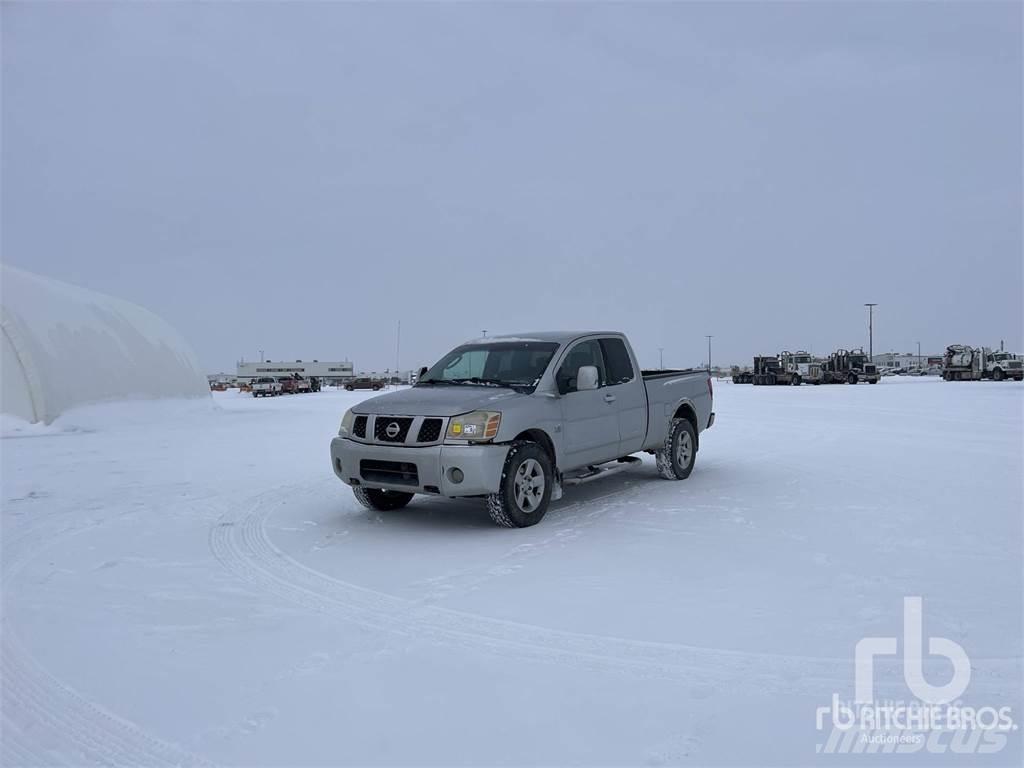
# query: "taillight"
711,390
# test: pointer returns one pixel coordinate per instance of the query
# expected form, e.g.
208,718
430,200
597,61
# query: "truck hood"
439,400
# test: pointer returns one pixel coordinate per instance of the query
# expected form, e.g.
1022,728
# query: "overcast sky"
297,177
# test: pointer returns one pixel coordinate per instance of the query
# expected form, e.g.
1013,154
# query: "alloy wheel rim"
684,449
529,485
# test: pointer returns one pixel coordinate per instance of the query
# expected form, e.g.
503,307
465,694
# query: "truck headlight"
477,426
346,422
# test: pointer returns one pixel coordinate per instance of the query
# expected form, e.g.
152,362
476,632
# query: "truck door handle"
609,398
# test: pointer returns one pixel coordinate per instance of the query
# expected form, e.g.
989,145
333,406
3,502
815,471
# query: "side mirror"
586,378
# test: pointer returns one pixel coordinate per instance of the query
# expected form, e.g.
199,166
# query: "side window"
616,358
584,353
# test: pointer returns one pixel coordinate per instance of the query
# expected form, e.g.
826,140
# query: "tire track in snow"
245,549
44,721
243,546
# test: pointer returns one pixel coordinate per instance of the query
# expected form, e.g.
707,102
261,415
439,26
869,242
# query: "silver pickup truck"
515,418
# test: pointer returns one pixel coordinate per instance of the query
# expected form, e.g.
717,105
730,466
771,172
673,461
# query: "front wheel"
998,374
349,387
676,456
381,500
851,379
526,483
795,381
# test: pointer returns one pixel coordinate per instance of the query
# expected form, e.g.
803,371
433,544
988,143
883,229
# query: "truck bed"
660,373
666,389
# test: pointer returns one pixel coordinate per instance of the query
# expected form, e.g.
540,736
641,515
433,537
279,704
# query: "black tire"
529,509
349,387
673,463
795,381
872,381
772,380
376,388
381,500
998,374
851,379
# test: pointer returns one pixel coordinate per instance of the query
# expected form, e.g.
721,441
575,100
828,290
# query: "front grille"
359,428
870,369
1014,364
381,424
389,472
430,431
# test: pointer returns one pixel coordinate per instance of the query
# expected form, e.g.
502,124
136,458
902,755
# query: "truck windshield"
498,364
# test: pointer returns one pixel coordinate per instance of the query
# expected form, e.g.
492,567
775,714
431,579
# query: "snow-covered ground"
190,583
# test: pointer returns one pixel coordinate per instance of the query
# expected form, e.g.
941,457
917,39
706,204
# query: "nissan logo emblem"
392,430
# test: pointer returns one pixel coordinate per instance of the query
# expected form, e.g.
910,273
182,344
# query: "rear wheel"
676,456
349,387
526,483
381,500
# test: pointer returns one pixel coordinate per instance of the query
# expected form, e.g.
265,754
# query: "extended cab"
514,418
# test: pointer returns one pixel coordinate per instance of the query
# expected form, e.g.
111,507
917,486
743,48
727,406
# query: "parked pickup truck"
513,419
266,387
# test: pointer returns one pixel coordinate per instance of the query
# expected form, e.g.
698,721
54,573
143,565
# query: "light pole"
661,357
709,354
871,331
484,332
919,355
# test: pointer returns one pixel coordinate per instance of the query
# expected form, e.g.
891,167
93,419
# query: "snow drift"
65,346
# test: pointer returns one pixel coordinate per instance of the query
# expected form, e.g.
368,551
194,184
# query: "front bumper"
419,470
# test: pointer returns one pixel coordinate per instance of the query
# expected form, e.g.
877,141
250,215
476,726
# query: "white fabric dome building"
65,346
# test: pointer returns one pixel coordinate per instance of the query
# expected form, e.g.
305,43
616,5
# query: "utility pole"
398,347
871,330
661,357
709,354
919,354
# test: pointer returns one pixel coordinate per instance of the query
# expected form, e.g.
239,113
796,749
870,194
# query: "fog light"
455,475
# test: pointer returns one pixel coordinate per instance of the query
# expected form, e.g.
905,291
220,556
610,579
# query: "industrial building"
904,360
329,372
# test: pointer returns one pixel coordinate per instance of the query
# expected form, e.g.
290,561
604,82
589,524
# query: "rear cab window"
616,359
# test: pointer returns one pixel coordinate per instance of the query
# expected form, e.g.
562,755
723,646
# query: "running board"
603,470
